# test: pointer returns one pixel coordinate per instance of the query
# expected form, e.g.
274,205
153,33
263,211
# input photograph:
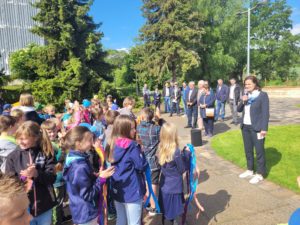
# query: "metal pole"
137,86
248,47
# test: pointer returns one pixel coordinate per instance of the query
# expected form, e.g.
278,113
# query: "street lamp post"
248,45
248,29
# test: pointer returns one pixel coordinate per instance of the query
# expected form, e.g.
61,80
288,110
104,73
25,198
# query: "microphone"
246,93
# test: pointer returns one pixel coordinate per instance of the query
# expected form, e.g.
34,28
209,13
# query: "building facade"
15,24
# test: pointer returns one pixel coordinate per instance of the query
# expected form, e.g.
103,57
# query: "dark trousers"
175,108
208,126
146,102
110,202
192,112
57,212
251,141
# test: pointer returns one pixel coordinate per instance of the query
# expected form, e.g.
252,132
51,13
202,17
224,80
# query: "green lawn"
298,105
282,153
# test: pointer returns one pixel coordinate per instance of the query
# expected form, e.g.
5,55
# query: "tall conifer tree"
71,65
168,38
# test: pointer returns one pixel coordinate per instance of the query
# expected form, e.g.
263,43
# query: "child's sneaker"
111,217
152,212
148,207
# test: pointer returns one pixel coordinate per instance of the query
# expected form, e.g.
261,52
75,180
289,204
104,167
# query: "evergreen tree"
275,50
71,65
223,48
168,38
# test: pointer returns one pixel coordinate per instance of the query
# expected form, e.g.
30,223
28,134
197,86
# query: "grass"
298,105
282,153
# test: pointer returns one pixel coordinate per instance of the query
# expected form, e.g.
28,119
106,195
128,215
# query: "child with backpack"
148,135
33,162
174,163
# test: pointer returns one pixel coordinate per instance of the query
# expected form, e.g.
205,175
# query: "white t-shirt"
190,93
231,93
247,118
167,92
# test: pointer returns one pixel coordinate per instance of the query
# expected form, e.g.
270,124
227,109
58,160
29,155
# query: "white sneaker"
256,179
247,173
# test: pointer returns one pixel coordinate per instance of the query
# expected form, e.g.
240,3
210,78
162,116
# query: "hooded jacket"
128,183
83,187
44,198
7,146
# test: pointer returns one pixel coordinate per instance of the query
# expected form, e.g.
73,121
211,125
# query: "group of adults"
203,106
199,102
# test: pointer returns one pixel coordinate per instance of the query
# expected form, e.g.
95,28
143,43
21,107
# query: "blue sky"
122,19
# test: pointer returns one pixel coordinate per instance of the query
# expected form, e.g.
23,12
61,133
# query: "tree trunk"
173,71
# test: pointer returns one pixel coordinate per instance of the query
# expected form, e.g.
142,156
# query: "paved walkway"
229,200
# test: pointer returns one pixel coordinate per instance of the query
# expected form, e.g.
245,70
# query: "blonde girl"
33,161
27,106
174,162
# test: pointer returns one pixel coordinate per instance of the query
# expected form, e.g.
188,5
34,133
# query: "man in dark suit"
221,98
192,108
234,99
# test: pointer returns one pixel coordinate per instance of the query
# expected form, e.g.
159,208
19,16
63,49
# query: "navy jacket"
222,95
259,112
83,187
171,181
209,100
128,183
156,98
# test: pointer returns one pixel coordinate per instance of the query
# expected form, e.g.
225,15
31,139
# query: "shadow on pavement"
273,157
220,128
213,205
204,176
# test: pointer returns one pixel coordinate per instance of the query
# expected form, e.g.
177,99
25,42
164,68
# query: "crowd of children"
93,158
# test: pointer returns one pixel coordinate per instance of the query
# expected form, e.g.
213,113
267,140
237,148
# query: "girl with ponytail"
33,162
